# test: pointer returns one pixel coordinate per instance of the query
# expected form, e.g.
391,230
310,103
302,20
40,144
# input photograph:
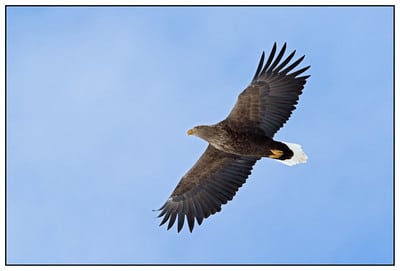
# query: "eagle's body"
245,143
236,143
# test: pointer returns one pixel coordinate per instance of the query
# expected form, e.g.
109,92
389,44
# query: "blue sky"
99,101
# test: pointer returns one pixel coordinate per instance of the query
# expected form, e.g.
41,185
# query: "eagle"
239,141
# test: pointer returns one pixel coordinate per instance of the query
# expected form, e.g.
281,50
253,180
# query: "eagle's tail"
298,155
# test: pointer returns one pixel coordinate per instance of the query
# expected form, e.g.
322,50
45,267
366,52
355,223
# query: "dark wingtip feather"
162,212
304,77
190,214
294,74
293,65
165,218
190,221
285,62
260,64
270,58
162,207
171,220
181,220
200,212
278,58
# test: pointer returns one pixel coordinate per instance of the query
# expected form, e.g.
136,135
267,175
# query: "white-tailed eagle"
236,143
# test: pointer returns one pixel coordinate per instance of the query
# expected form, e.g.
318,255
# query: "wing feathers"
278,59
270,58
172,219
260,65
293,65
272,95
200,213
285,62
201,193
294,74
181,219
190,220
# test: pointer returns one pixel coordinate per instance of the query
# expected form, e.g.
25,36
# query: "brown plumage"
236,143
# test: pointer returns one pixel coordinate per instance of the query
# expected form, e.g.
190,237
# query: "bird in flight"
236,143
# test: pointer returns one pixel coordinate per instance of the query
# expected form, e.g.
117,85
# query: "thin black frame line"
199,5
325,6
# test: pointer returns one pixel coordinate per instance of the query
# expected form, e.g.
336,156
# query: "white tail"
298,155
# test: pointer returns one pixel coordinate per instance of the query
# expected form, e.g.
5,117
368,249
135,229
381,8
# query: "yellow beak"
190,132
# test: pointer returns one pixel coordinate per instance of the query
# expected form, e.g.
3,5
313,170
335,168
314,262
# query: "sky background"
99,101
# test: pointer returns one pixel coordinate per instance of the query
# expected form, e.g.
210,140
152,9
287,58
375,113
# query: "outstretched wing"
211,182
272,95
